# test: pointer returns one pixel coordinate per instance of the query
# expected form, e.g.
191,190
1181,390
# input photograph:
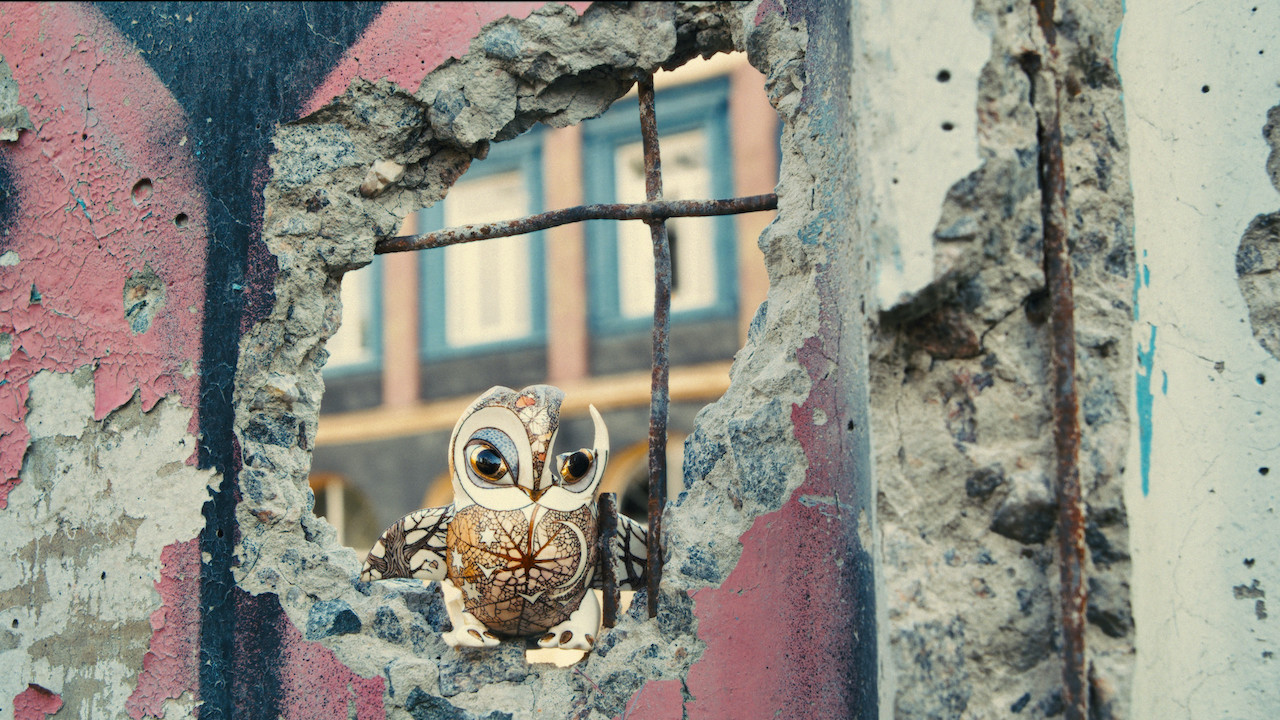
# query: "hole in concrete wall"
144,297
141,191
180,220
944,76
283,548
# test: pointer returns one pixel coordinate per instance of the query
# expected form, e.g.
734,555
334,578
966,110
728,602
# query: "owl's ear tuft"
602,439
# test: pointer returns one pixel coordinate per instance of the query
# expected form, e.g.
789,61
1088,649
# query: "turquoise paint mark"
1146,361
1137,283
1164,383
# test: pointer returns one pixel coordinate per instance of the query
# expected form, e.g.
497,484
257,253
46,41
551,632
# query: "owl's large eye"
575,466
486,461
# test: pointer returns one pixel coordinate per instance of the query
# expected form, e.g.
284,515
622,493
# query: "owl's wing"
629,555
412,548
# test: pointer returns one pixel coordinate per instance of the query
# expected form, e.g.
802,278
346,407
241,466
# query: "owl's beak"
533,494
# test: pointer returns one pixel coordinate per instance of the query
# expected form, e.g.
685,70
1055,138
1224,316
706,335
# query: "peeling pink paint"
35,703
14,436
171,665
317,686
103,122
408,40
661,700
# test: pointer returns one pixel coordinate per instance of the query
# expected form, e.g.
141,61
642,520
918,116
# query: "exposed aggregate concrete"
961,402
84,541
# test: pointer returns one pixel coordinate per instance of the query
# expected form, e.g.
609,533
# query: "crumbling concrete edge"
1258,256
14,117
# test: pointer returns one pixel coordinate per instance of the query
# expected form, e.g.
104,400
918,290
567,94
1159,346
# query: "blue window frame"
357,346
688,116
447,302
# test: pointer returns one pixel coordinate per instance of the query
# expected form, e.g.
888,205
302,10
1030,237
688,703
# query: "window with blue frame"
693,128
489,296
357,345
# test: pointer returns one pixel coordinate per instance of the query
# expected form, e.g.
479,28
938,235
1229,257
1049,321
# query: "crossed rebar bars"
654,212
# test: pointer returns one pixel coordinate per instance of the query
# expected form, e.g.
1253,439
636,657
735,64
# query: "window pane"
487,284
685,176
353,343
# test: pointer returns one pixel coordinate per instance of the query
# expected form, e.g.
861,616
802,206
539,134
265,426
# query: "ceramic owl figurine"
516,554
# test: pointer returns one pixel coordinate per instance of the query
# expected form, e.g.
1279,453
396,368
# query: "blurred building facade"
424,333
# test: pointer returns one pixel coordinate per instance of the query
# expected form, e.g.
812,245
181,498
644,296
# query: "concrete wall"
1206,446
163,556
181,201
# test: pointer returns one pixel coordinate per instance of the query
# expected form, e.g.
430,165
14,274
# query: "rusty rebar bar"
1066,423
608,504
659,396
606,211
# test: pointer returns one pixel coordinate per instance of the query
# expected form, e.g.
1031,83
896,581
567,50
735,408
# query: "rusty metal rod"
647,211
608,504
659,396
1066,422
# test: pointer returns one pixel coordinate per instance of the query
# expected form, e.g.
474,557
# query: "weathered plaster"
102,122
748,456
1203,507
918,75
99,503
960,399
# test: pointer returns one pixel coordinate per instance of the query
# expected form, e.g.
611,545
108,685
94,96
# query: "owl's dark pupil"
577,464
487,462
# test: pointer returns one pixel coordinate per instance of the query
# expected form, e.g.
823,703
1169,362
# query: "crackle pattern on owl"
522,574
517,551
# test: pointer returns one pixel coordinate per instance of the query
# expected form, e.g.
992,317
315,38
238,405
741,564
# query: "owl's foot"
579,631
467,630
469,636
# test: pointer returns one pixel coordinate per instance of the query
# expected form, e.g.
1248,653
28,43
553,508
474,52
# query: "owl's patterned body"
522,573
517,551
